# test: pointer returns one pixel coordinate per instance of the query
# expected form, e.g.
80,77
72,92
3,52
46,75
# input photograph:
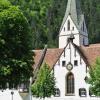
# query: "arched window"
70,84
68,25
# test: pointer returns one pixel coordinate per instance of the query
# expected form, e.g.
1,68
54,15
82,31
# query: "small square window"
91,93
63,63
57,92
82,92
75,63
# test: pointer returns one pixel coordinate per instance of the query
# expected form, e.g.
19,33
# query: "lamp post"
12,92
30,93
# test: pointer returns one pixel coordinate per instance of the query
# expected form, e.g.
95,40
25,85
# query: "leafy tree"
45,17
15,45
36,12
94,79
91,9
44,85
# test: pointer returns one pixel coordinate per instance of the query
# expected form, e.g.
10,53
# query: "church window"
64,29
75,63
91,93
68,25
73,28
57,92
82,92
63,63
70,84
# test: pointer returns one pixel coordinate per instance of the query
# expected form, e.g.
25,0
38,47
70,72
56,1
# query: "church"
74,57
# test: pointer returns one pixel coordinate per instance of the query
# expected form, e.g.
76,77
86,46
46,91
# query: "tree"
36,12
15,45
44,85
94,79
45,17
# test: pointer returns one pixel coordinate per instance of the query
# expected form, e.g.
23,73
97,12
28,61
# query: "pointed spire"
74,10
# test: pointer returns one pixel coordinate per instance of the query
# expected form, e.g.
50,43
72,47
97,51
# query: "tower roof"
74,10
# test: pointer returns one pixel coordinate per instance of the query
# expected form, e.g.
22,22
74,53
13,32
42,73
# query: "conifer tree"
44,85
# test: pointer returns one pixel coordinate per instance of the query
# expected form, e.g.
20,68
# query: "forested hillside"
45,17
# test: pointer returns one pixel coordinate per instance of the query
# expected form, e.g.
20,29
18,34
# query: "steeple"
73,22
74,10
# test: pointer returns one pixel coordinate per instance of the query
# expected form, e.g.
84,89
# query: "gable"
64,29
51,56
74,10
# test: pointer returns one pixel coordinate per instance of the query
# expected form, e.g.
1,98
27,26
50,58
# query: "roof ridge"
47,49
91,45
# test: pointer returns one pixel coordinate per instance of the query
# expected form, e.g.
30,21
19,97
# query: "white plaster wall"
78,33
78,71
63,35
6,95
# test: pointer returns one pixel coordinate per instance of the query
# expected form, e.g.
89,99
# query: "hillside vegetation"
45,18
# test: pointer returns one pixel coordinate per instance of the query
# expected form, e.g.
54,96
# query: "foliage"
44,85
45,18
94,79
15,45
36,12
91,10
4,4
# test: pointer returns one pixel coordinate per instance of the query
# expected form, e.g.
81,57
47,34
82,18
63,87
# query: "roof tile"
51,56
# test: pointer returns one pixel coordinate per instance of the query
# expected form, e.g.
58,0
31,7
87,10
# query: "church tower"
73,23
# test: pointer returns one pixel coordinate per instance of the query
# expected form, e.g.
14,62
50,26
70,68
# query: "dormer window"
68,25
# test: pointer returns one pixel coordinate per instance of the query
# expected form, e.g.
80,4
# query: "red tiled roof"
51,56
91,52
